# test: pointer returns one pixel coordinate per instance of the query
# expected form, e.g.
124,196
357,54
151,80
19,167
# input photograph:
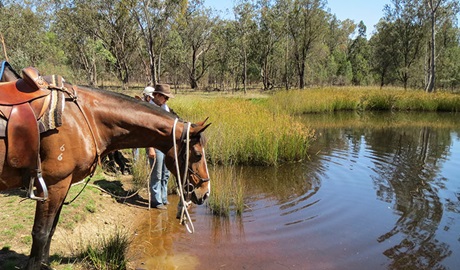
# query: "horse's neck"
122,123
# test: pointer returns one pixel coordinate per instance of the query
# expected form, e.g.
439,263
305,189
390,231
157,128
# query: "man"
160,174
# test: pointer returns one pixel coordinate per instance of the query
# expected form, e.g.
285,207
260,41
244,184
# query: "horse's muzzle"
197,199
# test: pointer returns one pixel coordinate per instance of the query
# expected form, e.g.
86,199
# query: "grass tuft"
228,192
107,253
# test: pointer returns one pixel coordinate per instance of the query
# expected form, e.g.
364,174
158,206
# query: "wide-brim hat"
163,89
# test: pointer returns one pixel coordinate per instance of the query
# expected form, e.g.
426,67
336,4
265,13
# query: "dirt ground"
72,235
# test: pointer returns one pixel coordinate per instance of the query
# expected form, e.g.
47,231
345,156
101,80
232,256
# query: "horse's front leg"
46,250
46,218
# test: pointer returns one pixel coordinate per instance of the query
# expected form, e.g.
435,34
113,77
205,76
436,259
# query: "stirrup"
41,181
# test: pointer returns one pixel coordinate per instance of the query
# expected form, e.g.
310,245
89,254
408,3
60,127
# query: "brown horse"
95,123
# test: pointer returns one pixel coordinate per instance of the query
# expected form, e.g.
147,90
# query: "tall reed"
244,131
228,192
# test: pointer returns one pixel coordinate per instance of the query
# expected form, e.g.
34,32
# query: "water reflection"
408,174
153,244
379,191
410,168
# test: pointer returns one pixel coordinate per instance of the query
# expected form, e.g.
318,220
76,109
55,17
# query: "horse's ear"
198,129
202,122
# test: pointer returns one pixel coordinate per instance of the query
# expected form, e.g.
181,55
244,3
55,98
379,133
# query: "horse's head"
190,158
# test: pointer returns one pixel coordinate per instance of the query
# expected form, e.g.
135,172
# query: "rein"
184,216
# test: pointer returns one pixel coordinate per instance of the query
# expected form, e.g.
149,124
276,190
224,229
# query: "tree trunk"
245,72
193,82
302,75
153,66
158,74
430,87
4,47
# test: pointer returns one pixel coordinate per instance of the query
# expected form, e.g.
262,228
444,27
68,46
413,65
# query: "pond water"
379,191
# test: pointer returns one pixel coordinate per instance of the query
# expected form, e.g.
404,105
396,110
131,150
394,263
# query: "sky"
368,11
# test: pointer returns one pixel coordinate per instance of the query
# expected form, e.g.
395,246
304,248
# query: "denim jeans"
159,180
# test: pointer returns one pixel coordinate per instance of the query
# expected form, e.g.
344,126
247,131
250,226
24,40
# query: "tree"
198,25
154,19
270,29
244,14
102,29
86,53
337,39
358,56
407,33
306,26
450,8
448,53
225,53
23,32
116,28
384,53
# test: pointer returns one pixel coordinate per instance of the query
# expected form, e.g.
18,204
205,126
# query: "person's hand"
151,152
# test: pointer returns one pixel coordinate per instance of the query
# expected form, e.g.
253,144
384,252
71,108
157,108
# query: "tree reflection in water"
407,178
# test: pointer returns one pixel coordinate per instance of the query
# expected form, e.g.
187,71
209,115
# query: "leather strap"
22,137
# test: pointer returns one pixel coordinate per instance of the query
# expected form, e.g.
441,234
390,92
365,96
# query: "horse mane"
129,99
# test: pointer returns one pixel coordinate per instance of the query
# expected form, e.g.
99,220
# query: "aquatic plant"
228,192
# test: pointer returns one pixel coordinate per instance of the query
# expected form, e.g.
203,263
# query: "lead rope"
184,216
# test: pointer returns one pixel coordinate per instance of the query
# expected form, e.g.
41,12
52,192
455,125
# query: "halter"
185,182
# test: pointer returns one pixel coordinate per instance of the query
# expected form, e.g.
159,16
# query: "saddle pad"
52,118
22,137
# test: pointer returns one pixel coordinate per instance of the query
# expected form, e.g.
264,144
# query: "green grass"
107,253
319,100
245,131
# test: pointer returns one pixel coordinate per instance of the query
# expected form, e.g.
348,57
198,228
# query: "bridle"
201,179
184,185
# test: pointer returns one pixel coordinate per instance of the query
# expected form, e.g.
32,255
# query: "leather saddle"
22,102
